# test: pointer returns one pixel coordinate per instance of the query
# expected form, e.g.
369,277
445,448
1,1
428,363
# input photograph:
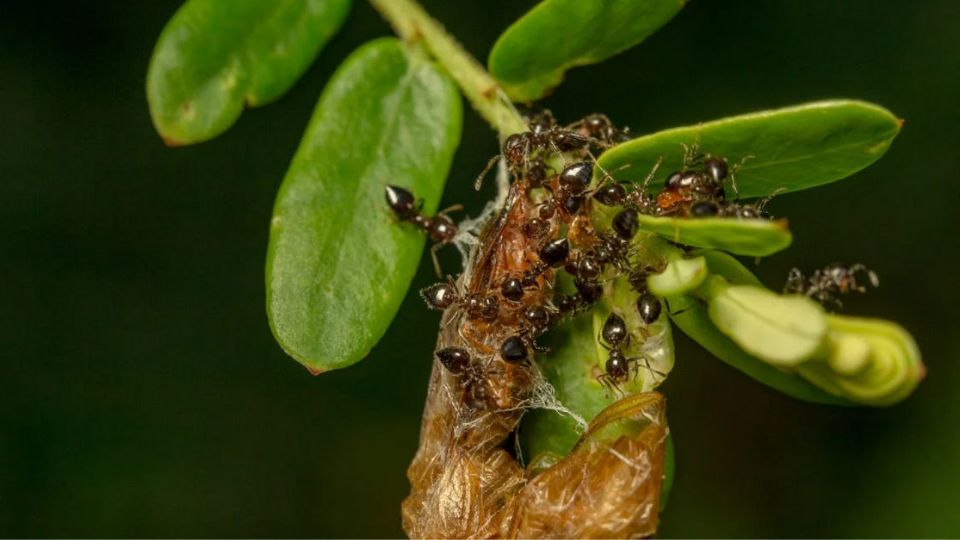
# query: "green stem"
413,24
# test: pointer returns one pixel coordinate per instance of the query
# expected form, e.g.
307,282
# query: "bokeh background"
141,393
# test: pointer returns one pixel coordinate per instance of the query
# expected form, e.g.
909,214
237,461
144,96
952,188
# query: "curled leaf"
869,361
214,57
783,330
752,237
531,56
679,277
785,149
339,263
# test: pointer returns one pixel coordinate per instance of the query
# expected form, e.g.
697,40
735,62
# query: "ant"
599,127
520,150
573,182
826,283
615,337
552,255
440,296
588,292
459,363
690,185
440,227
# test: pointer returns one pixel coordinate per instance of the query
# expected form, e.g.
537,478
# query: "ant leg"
451,208
733,177
479,181
436,261
650,175
670,311
762,205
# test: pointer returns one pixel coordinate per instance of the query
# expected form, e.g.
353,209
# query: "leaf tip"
315,371
171,142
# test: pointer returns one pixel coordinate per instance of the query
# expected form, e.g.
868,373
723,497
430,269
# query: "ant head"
439,296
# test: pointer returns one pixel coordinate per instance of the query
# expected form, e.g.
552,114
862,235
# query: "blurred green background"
141,393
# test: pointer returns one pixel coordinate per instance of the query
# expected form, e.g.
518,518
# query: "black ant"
600,128
552,255
826,283
520,150
588,292
472,376
573,182
689,185
441,296
615,337
439,227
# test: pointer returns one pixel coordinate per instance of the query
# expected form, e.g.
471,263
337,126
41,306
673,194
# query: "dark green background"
141,393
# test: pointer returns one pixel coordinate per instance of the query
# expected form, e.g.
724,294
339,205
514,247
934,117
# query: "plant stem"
412,24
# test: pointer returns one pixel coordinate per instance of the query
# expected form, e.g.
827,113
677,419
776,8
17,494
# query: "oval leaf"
215,56
784,149
531,56
752,237
339,264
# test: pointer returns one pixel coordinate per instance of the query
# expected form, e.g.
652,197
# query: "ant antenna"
766,200
733,175
479,181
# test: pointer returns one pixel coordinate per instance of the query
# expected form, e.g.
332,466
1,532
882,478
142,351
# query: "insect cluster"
546,230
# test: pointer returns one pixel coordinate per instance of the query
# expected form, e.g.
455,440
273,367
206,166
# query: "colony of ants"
555,166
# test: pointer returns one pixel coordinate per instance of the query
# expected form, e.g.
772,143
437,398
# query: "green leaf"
690,315
216,56
339,264
784,149
679,277
531,56
752,237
